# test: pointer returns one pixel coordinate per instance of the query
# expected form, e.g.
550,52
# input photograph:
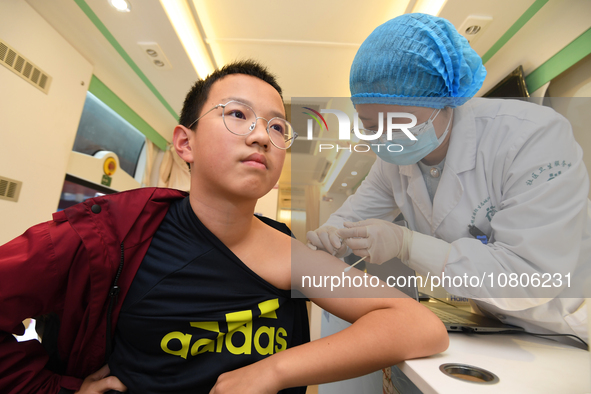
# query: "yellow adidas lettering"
238,322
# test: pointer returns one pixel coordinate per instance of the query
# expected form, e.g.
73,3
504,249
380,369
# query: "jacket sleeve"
33,270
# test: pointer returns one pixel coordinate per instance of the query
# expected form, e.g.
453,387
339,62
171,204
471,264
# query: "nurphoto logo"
384,139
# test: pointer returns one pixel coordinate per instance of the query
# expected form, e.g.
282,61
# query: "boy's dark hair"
200,91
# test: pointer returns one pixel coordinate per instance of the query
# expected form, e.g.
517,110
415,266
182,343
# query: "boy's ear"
181,142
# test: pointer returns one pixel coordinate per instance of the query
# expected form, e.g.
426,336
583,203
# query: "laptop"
454,318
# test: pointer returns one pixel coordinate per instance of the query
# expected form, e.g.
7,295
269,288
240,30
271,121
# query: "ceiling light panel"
180,16
431,7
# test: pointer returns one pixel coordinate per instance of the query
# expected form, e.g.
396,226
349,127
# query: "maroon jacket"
67,266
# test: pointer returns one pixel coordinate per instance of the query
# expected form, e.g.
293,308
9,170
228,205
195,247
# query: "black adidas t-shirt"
195,311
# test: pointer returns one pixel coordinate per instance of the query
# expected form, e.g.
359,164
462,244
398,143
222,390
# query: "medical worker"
494,191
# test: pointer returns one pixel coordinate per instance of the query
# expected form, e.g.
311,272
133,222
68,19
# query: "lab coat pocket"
578,320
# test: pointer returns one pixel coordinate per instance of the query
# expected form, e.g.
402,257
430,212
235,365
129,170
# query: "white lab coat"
514,170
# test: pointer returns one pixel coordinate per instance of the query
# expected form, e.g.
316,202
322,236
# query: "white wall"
37,130
328,207
267,205
574,82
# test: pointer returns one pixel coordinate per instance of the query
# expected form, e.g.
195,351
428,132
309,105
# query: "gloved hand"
326,238
379,239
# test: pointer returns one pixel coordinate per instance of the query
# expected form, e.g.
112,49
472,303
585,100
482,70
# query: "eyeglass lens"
240,119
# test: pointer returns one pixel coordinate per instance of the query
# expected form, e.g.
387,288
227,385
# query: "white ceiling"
309,44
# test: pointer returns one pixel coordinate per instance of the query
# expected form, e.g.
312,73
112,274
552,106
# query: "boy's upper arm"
351,309
349,295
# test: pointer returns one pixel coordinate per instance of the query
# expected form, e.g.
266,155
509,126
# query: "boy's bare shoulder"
274,239
286,244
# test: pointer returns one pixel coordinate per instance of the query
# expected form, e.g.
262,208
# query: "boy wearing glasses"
197,287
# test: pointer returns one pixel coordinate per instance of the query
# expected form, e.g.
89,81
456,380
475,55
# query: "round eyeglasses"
240,119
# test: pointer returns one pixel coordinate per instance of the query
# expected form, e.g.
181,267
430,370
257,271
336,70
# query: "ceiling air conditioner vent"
9,189
24,68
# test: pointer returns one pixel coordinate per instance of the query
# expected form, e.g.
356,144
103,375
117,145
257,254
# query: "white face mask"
415,130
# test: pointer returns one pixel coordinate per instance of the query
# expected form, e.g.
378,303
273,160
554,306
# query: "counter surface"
523,364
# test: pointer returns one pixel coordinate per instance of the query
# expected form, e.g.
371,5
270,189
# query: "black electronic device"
512,86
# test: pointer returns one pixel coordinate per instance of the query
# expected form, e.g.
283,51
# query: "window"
101,128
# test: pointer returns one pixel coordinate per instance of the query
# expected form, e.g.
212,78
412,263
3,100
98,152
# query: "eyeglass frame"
292,139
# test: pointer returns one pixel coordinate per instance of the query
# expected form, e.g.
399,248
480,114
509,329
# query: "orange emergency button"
110,166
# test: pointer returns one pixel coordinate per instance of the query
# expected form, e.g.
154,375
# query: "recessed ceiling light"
343,184
353,173
120,5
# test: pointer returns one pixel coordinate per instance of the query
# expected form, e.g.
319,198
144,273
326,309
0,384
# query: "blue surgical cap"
418,60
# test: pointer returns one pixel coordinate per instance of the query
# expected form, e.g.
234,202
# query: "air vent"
9,189
21,66
155,55
474,26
